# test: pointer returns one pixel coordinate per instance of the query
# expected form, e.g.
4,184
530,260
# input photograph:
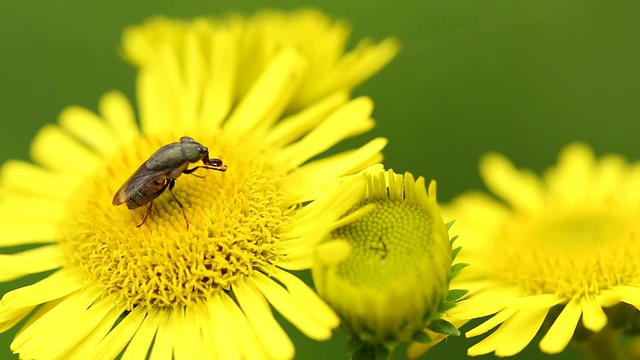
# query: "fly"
160,172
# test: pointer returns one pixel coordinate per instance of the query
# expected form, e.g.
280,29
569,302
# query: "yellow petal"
37,182
28,341
55,286
141,342
28,233
9,317
349,120
163,343
593,317
269,95
90,129
283,301
494,321
117,111
85,349
120,335
55,149
223,62
562,329
307,298
250,346
225,342
274,340
519,330
31,261
522,189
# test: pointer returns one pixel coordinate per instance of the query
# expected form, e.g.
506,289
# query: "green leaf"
456,294
444,327
456,268
449,224
422,337
454,252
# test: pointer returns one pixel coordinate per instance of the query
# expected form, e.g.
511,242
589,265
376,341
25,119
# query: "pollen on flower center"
567,255
388,242
233,227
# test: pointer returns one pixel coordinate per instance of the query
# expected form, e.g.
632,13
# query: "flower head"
562,240
245,88
387,272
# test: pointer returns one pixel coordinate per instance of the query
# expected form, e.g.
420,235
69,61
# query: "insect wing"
141,179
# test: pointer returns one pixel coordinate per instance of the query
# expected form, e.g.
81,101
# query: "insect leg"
172,183
146,214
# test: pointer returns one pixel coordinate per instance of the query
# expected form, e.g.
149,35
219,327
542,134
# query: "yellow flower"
386,270
265,94
567,240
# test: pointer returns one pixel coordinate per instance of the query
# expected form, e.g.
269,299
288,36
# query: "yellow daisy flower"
265,94
566,240
386,269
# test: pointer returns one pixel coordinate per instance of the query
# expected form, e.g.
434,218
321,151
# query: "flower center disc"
233,219
388,243
566,255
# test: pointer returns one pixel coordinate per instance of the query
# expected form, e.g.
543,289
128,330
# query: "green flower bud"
393,277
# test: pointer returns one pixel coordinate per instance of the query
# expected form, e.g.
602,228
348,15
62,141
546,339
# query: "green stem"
604,345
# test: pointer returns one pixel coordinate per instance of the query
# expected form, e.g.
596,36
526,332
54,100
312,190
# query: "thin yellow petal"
274,340
55,286
120,335
560,333
90,129
223,63
117,111
86,348
35,181
55,149
163,344
28,233
349,120
333,252
225,342
314,175
308,299
629,295
28,341
522,189
75,327
269,95
519,330
31,261
250,346
494,321
25,209
593,317
295,126
141,342
9,317
284,303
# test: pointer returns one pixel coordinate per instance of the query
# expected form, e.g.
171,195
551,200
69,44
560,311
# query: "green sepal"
454,253
456,294
371,352
456,268
453,239
446,305
422,337
449,224
443,327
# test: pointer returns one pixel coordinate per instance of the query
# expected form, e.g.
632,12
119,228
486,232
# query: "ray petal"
90,129
273,338
285,304
112,344
118,113
31,261
250,346
593,317
36,182
141,342
225,342
55,286
562,329
55,149
520,330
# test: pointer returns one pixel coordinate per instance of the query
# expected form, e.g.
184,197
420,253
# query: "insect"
160,172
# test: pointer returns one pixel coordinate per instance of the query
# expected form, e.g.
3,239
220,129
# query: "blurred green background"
521,77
